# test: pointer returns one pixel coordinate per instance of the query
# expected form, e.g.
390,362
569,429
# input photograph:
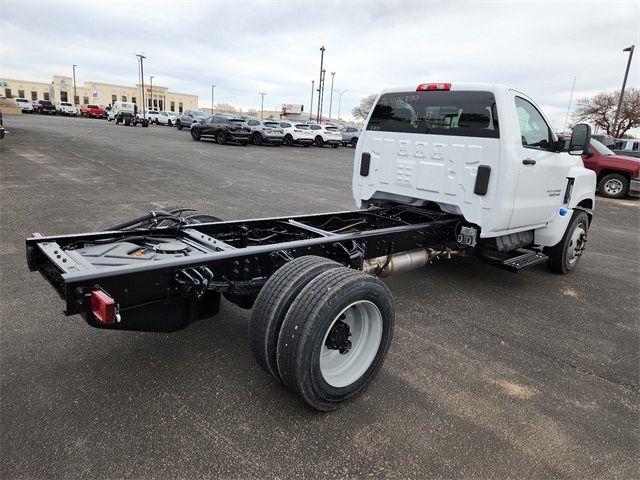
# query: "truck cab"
483,151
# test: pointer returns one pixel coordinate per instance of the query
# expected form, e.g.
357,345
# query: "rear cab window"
457,113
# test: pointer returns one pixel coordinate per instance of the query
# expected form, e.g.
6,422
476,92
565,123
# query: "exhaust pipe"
405,261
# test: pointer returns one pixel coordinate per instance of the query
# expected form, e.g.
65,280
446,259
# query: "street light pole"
212,87
322,49
340,100
262,104
141,57
313,82
333,74
324,74
624,84
75,95
151,88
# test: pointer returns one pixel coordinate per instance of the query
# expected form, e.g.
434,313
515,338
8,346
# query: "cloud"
248,47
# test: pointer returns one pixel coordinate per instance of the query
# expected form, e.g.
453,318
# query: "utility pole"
141,57
324,74
569,106
624,84
333,74
322,49
313,82
262,104
75,95
151,87
340,100
212,87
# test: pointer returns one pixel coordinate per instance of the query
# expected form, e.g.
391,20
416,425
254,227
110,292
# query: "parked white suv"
296,133
326,135
24,104
65,108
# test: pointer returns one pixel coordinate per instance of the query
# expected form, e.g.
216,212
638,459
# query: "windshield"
22,100
602,150
459,113
199,114
65,104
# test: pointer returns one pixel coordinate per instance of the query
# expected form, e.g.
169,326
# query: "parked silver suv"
265,131
350,136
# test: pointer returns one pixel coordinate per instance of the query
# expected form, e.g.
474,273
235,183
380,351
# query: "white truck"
127,113
440,171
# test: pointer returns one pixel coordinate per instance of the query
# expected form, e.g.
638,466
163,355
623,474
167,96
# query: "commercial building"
60,89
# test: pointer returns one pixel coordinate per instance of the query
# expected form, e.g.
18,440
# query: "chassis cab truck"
440,171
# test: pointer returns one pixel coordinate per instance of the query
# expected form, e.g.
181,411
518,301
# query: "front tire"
564,256
354,142
195,135
221,138
613,185
288,140
318,142
335,337
179,124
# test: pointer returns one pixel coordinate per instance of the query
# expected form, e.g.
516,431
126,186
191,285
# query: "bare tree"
600,110
227,108
365,105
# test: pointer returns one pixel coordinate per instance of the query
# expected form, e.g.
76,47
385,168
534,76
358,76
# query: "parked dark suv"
223,128
45,106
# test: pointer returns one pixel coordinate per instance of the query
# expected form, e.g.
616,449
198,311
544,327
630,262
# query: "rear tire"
288,140
354,142
273,303
335,337
564,256
256,139
613,185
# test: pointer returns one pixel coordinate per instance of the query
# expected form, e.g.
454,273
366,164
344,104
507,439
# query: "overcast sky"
249,47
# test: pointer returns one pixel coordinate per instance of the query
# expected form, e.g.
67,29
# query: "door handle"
528,161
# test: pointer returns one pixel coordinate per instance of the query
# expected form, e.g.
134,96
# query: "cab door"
543,171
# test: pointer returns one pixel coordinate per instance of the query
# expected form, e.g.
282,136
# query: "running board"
513,261
526,260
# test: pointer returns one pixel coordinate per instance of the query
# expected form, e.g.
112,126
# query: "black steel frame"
240,255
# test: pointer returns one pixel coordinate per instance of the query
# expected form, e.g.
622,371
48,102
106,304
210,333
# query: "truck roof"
470,86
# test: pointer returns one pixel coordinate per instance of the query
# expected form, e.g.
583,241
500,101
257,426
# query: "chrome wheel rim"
613,186
342,367
576,244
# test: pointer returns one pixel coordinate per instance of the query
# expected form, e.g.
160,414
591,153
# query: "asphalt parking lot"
490,374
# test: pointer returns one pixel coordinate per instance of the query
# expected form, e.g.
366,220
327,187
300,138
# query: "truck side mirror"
580,139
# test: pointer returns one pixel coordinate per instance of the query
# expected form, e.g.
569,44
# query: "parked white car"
24,104
65,108
326,135
171,118
297,133
161,118
151,115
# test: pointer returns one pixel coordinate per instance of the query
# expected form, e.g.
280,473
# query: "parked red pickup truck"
617,174
92,111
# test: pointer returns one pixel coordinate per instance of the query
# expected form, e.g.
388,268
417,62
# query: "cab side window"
534,130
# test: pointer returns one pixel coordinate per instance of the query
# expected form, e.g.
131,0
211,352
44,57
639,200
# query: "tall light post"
322,49
141,57
340,100
624,84
212,88
151,87
333,74
313,82
324,75
75,95
261,104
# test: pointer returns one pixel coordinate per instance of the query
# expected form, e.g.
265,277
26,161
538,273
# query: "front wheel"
335,337
195,135
564,256
613,185
354,142
179,125
288,140
169,123
335,145
221,138
319,142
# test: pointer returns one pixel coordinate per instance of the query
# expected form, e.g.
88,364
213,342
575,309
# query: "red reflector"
103,307
433,86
